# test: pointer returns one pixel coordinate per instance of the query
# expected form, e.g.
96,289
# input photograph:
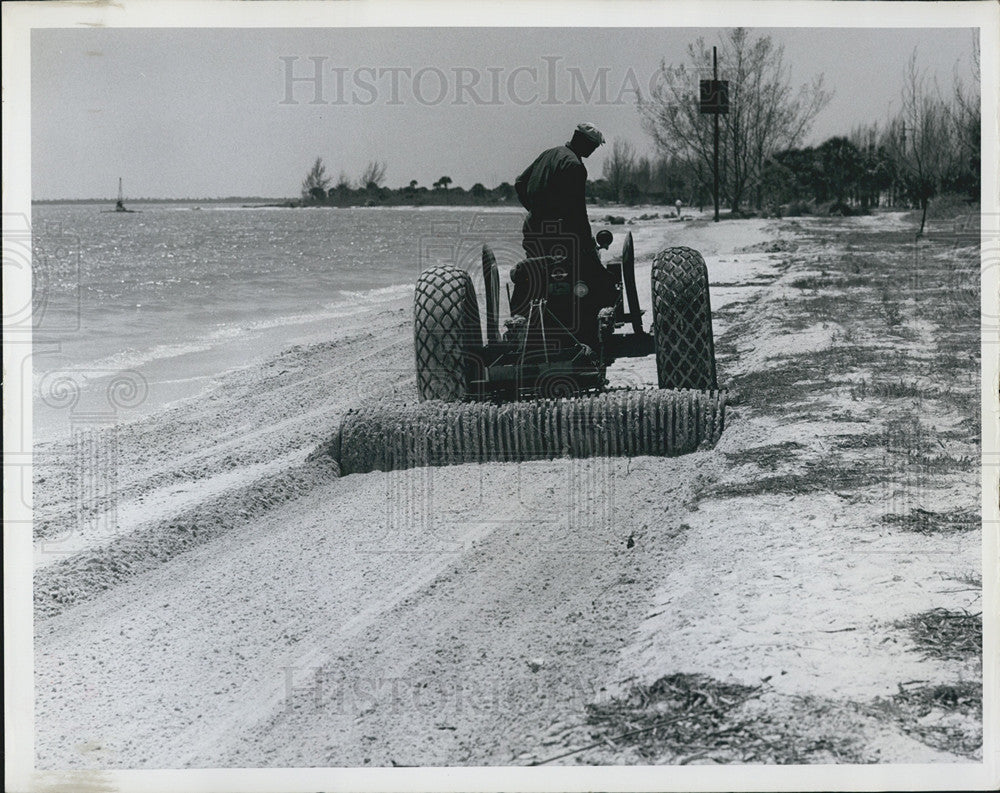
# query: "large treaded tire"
682,320
446,332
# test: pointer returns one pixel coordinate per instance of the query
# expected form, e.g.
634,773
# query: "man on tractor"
553,190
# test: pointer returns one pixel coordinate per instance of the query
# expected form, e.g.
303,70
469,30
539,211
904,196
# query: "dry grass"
947,716
859,440
890,309
780,245
802,377
768,458
924,521
685,718
813,476
946,635
889,389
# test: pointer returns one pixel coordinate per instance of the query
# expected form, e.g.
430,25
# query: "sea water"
162,301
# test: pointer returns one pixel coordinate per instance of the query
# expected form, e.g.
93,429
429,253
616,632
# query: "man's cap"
591,133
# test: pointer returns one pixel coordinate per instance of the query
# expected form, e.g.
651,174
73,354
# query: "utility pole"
715,116
715,100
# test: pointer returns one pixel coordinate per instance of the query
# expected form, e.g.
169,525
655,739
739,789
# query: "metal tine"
410,436
654,425
463,431
442,436
630,445
598,428
472,450
532,432
693,420
538,419
587,428
505,442
683,431
454,443
517,417
609,441
576,433
630,424
492,434
597,425
476,417
614,425
635,401
699,411
454,454
642,405
562,413
672,426
569,423
660,405
481,423
551,420
502,433
554,422
462,435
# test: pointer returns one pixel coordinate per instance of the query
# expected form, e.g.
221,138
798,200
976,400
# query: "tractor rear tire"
682,320
446,333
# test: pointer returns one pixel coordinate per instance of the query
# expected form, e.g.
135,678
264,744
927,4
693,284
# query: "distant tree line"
628,178
318,189
930,147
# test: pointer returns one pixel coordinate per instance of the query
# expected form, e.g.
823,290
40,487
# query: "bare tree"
373,175
316,181
618,167
765,115
920,139
878,172
642,174
965,112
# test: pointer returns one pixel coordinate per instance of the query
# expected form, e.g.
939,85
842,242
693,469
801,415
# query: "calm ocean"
174,295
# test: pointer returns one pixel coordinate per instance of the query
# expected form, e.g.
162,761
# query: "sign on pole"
714,96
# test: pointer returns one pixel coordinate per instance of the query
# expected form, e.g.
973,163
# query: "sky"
205,113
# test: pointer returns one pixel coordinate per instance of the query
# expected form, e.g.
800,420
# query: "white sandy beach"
232,602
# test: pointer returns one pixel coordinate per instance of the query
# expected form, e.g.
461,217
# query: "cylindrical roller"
629,423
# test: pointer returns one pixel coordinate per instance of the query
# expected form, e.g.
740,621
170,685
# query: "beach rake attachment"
627,423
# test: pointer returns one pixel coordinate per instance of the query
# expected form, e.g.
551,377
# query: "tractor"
552,347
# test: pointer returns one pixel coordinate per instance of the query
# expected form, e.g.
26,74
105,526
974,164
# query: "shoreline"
199,362
173,372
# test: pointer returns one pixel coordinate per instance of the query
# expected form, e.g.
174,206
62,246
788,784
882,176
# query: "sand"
232,602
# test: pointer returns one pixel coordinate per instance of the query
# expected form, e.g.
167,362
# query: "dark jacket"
553,188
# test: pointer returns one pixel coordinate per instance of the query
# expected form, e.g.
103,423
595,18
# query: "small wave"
380,295
132,358
349,304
